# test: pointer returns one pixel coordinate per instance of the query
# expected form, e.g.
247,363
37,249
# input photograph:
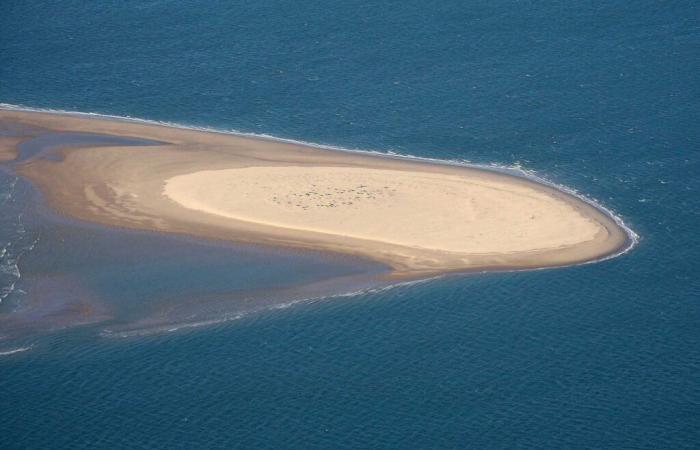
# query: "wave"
19,242
169,328
510,169
9,195
183,326
15,350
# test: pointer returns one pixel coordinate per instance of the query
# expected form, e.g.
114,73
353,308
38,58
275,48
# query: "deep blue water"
601,97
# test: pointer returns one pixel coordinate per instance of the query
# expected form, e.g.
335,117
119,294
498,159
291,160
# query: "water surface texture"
601,97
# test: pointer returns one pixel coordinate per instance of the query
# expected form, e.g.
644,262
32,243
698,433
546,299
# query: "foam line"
15,350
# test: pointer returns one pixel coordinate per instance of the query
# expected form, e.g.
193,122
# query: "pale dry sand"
418,218
424,210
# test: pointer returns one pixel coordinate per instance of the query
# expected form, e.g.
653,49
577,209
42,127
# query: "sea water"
602,98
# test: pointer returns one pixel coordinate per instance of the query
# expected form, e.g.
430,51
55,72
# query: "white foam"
10,267
171,328
5,291
511,169
350,294
15,350
5,196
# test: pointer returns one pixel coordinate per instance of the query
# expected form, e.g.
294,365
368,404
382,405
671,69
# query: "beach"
419,218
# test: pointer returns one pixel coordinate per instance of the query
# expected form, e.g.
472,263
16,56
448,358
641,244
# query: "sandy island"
418,218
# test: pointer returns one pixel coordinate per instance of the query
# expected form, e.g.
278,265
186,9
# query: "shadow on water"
67,273
44,146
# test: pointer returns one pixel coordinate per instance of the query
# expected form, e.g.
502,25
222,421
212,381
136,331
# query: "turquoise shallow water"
599,97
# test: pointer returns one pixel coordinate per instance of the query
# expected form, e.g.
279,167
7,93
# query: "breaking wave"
17,241
15,350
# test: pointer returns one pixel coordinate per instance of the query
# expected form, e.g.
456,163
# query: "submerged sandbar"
419,218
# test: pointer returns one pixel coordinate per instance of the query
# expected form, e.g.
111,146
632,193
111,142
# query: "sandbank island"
418,218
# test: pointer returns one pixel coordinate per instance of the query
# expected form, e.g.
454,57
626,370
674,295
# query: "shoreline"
122,187
514,170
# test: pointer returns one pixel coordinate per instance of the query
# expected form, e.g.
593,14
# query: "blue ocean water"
601,97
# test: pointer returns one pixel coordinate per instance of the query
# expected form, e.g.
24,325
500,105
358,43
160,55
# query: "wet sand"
8,147
418,218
